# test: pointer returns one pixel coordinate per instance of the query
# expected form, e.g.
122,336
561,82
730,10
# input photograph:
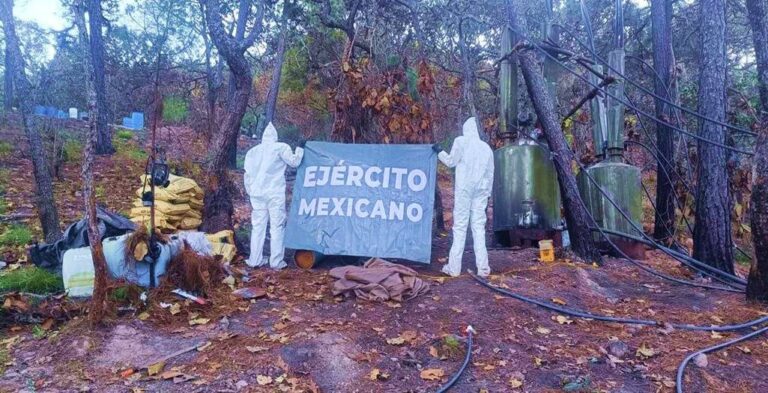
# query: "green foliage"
175,109
30,279
3,205
5,149
72,150
38,332
240,162
16,235
250,123
293,75
4,175
741,259
130,150
124,134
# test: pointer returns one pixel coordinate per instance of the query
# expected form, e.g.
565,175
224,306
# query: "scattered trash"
51,256
189,296
193,272
249,293
546,251
378,280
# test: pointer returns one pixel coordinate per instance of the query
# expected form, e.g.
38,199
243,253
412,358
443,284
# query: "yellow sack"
181,185
162,194
196,204
167,208
192,213
189,223
227,251
160,222
225,236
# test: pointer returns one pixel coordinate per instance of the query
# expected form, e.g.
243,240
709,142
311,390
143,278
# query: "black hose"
684,259
649,92
628,105
464,365
605,318
681,368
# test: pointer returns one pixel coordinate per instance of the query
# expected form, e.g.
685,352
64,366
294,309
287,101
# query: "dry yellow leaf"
198,321
396,341
716,335
515,383
143,316
563,320
645,352
433,352
559,301
432,374
374,375
175,308
256,349
543,330
140,251
263,380
156,368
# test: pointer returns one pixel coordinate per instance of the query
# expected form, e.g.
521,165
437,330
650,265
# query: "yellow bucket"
546,251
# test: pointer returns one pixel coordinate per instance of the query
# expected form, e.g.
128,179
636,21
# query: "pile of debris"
178,206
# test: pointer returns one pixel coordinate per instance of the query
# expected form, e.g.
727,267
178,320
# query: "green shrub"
16,235
3,205
30,279
5,149
4,176
130,150
72,150
175,109
124,134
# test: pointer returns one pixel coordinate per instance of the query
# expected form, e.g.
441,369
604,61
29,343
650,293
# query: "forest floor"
301,338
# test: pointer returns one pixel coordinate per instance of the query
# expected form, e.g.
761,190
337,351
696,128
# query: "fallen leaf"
175,308
543,330
396,341
456,310
563,320
183,378
745,349
230,281
559,301
203,347
256,349
715,335
515,383
127,373
249,293
156,368
374,375
143,316
645,352
433,352
170,374
47,324
432,374
263,380
198,321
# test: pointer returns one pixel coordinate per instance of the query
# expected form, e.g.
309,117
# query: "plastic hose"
467,357
681,368
587,315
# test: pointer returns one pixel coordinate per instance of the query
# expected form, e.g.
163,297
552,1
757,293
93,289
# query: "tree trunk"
757,286
576,215
218,208
243,11
468,83
712,234
8,78
274,85
99,299
104,136
661,20
45,203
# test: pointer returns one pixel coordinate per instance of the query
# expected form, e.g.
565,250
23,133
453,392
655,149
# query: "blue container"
39,110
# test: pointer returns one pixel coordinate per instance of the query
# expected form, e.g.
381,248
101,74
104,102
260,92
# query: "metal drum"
526,195
622,183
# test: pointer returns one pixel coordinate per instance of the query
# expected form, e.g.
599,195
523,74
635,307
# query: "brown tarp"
378,280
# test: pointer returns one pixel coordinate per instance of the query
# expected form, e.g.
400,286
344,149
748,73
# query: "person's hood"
470,128
270,134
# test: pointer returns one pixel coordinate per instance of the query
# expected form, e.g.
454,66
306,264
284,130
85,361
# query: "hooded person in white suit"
473,160
265,166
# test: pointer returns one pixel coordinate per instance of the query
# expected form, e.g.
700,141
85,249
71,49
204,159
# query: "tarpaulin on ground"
49,256
364,200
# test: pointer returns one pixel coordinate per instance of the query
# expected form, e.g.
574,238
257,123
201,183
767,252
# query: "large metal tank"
526,195
622,183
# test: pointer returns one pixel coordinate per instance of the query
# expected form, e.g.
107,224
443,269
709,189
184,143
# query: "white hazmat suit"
264,180
473,160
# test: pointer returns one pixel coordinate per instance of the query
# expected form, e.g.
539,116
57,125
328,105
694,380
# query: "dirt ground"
302,338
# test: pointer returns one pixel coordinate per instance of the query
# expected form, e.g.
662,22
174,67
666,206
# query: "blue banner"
364,200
